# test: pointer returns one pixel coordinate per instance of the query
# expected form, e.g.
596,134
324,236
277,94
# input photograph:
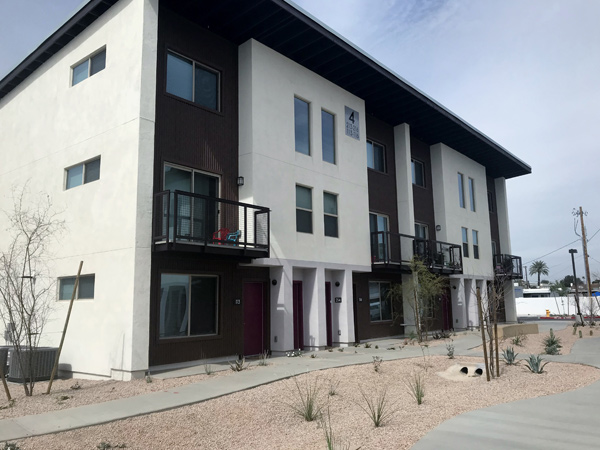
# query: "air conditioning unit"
41,362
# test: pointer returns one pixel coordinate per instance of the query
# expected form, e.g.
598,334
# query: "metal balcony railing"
187,219
509,266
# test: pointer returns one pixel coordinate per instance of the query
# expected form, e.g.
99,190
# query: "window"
420,243
303,209
421,231
328,136
380,304
301,126
85,290
331,214
378,225
90,66
461,190
472,193
491,202
418,173
494,248
375,156
188,305
83,173
475,244
193,81
465,239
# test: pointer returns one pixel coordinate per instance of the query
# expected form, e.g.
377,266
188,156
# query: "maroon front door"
254,316
298,316
328,313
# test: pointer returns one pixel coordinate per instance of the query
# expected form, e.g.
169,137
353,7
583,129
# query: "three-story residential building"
237,178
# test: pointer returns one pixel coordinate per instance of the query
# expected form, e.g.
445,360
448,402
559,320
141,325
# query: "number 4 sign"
352,123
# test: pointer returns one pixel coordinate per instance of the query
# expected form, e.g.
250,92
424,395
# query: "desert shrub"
239,364
306,404
450,349
378,408
534,364
509,356
262,358
519,339
552,344
416,387
377,363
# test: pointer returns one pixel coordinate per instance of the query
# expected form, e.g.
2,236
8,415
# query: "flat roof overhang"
284,27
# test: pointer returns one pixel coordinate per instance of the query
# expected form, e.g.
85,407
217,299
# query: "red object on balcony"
220,235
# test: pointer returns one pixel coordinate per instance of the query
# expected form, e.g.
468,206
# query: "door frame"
328,314
298,315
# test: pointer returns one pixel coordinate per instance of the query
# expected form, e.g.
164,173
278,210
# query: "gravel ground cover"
262,418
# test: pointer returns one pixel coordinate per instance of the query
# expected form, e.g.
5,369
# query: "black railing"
508,266
187,218
390,249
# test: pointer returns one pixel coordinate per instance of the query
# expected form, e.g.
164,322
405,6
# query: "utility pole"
587,264
572,251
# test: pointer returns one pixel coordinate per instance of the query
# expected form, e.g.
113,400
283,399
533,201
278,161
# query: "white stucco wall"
48,125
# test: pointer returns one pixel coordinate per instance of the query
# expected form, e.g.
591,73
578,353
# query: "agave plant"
509,356
552,344
534,364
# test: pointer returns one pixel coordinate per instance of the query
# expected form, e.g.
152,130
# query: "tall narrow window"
472,193
301,126
304,209
328,136
420,244
90,66
465,240
330,210
375,156
491,202
192,81
380,304
379,237
461,190
475,244
494,249
418,173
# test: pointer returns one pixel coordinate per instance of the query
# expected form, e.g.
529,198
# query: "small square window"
90,66
83,173
303,209
375,156
418,173
85,290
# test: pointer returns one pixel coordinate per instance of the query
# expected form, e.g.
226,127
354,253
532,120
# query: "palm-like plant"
540,268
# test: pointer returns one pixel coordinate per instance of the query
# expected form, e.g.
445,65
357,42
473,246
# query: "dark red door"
328,313
254,317
298,316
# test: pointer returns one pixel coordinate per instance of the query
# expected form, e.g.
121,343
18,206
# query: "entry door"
328,313
298,312
254,319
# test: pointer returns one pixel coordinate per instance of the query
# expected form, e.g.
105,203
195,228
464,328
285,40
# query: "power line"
554,251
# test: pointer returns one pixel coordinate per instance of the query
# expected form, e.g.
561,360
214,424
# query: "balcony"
508,266
190,222
394,251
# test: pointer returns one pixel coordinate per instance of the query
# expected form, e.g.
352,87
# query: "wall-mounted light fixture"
337,284
240,181
274,282
438,228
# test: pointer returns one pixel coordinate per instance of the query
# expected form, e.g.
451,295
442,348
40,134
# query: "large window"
330,210
418,173
380,305
82,173
328,136
85,289
301,126
188,305
90,66
193,81
472,193
475,244
304,209
375,156
461,190
465,240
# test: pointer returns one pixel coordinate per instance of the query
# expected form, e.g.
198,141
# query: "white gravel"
261,418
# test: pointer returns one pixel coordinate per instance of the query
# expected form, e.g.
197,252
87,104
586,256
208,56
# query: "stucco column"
343,313
510,303
502,213
282,311
407,304
406,209
459,307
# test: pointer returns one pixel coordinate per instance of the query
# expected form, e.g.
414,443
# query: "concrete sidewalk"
279,368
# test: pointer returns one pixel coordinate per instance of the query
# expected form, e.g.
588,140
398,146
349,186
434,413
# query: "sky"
525,73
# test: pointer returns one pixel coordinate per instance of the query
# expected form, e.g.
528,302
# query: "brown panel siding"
423,196
495,230
382,186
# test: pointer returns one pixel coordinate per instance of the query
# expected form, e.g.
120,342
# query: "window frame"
333,132
472,194
336,215
300,208
465,241
475,235
461,190
84,164
413,165
88,59
188,305
381,319
308,112
383,155
422,226
74,277
203,66
491,207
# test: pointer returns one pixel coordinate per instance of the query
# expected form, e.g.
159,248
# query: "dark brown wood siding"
495,231
382,186
423,196
230,337
188,134
366,328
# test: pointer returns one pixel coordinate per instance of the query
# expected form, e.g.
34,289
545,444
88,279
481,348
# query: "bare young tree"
26,290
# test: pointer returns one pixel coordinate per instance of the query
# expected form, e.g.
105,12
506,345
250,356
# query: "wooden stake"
481,325
62,339
8,397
